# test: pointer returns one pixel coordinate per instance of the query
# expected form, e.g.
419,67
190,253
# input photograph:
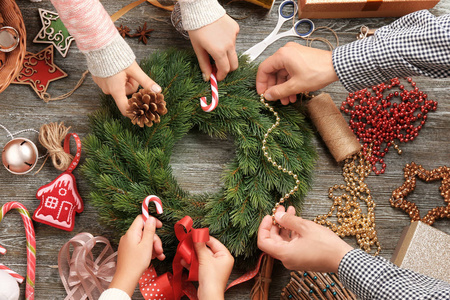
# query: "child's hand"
136,250
125,83
215,265
217,39
301,244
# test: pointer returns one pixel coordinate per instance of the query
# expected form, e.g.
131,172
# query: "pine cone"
146,107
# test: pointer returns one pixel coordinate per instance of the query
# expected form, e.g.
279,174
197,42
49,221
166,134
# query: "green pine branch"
125,163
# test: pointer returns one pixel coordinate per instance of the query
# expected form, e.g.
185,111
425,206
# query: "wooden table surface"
20,108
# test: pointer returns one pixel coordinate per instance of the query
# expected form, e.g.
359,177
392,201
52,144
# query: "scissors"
257,49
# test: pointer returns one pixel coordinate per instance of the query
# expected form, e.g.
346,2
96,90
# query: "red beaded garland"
380,116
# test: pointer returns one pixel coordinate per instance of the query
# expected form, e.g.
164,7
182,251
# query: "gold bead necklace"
274,163
352,221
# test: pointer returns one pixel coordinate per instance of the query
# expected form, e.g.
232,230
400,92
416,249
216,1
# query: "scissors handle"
281,7
257,49
303,21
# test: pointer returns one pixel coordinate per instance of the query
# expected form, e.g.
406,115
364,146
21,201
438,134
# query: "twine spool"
333,128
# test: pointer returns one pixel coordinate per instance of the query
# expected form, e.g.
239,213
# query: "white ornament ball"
9,288
20,156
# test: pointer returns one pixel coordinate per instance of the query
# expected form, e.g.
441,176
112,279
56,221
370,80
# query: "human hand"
294,69
215,265
301,244
136,249
217,39
125,83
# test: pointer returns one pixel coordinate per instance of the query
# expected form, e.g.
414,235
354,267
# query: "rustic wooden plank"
20,108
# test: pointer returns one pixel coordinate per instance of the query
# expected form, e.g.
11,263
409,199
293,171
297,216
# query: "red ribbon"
173,287
186,251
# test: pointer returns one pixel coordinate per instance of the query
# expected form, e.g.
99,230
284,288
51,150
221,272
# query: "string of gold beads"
351,221
274,163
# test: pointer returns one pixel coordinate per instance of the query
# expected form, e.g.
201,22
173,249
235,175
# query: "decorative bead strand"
274,163
398,198
350,218
383,114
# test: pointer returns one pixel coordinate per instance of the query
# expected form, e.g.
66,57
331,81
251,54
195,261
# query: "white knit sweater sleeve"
114,294
199,13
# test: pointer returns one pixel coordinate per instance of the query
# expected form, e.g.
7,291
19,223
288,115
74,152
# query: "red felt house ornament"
60,199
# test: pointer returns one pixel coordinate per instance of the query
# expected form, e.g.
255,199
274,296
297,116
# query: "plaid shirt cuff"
375,278
417,44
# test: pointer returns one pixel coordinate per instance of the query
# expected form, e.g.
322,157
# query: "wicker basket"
14,60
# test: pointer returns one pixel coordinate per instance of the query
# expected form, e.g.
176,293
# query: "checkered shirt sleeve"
376,278
416,44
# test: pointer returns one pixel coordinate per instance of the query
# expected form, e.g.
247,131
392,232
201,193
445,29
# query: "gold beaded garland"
352,221
398,198
274,163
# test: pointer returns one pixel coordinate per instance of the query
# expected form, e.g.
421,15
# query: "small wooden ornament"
54,32
39,70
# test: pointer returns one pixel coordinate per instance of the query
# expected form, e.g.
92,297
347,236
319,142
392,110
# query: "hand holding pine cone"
146,108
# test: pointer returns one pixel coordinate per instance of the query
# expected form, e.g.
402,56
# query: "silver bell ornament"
20,156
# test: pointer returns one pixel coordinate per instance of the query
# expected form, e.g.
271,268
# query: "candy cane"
215,95
158,204
15,275
31,244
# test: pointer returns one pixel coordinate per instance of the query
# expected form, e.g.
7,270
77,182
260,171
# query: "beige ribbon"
83,276
116,16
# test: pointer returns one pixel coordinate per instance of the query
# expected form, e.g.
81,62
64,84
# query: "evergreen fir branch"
126,163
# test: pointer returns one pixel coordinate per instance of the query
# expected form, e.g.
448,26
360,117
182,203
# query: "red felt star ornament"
398,198
39,70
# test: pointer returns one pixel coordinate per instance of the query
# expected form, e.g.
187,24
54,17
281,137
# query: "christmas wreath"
125,163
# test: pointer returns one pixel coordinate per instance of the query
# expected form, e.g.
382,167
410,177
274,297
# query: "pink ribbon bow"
83,276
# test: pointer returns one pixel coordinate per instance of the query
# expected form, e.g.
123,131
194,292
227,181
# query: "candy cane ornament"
158,204
31,244
215,95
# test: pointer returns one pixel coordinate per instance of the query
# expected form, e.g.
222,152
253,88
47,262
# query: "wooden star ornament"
143,33
39,70
398,198
53,32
